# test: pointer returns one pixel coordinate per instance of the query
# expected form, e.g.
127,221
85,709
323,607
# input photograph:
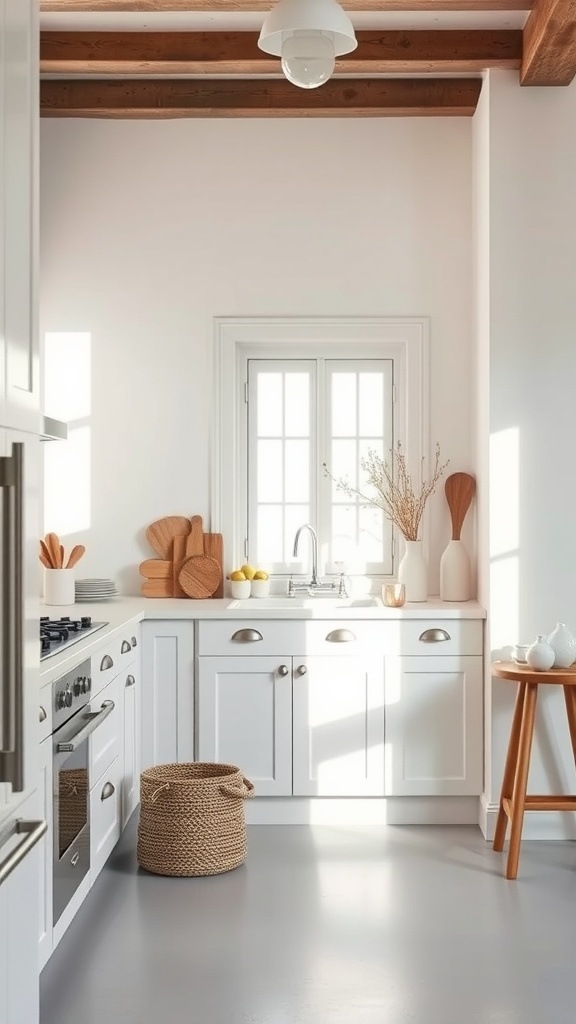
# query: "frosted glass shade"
308,59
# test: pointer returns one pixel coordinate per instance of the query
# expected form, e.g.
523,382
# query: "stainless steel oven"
74,723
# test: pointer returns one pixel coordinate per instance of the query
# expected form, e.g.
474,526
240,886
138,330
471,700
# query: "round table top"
521,673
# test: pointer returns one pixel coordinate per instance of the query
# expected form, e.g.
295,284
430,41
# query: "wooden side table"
513,799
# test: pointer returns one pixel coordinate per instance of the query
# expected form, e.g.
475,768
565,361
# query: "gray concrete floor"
327,926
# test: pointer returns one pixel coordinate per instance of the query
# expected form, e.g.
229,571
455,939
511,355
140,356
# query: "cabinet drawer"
113,657
236,637
104,818
105,741
45,713
427,637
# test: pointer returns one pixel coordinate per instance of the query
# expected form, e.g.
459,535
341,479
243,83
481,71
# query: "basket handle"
152,797
243,793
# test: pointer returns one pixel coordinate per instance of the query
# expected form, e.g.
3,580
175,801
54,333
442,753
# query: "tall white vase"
413,571
455,573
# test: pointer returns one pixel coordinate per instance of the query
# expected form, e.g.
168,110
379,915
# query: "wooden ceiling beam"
392,97
550,44
167,6
237,53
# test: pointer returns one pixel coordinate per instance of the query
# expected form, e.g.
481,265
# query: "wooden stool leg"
510,769
570,698
521,780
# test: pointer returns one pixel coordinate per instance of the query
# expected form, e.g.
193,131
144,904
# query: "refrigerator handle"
12,682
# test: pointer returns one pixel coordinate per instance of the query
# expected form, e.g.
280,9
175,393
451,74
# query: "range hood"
53,430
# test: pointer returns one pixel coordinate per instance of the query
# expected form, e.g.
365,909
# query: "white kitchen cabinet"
338,726
105,817
167,691
19,111
433,726
245,718
45,791
131,751
19,932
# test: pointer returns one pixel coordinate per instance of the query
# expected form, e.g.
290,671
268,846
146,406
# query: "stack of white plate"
95,590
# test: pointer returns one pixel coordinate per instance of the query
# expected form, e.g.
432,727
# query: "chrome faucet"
314,536
333,588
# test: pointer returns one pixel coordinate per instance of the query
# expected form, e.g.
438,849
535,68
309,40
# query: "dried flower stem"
396,495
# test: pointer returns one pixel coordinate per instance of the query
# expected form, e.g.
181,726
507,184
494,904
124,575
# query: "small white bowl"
260,588
519,653
240,589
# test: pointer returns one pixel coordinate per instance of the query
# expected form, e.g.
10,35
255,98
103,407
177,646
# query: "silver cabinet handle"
32,832
126,647
283,670
130,680
246,636
434,636
11,706
107,791
301,670
134,642
92,721
106,663
340,636
42,714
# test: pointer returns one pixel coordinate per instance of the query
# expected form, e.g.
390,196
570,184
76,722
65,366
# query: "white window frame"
237,339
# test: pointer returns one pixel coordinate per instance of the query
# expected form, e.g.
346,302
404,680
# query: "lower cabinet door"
338,715
245,718
45,848
19,968
105,811
434,726
131,720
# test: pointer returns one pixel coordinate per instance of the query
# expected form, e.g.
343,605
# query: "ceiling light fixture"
307,35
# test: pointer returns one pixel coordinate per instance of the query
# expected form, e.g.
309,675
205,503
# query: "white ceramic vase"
413,571
564,646
540,655
455,573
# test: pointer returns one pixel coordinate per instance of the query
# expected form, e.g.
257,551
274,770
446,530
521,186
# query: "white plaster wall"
150,230
532,311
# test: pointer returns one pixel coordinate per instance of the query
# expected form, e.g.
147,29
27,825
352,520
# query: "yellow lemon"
237,575
260,575
249,572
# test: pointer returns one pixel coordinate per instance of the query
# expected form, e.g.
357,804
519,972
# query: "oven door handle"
93,719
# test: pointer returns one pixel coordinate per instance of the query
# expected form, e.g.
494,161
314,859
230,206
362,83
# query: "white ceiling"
194,21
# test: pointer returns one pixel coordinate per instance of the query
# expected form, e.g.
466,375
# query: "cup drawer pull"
106,663
340,636
434,636
126,647
246,636
42,716
130,680
107,791
133,642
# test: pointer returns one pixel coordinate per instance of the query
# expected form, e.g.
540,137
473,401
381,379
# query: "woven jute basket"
192,818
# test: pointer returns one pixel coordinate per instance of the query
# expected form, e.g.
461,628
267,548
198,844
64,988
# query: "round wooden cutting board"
200,576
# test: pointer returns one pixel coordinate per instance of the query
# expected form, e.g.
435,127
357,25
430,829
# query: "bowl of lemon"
247,581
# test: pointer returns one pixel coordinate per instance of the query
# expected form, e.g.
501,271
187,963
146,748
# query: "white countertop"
120,612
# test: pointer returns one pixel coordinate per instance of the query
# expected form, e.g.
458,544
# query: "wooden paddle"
460,489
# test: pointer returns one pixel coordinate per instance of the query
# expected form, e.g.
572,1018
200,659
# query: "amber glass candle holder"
394,595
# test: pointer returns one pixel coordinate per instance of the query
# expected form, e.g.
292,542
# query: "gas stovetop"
57,634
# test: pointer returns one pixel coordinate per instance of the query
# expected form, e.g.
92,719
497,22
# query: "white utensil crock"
59,586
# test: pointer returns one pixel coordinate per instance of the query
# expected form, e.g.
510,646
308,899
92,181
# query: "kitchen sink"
283,602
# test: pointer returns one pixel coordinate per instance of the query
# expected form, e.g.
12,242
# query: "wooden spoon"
45,555
75,555
460,489
53,545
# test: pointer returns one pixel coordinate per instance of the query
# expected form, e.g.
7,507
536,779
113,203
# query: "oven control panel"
70,693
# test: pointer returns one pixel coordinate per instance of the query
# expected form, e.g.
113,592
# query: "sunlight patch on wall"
504,536
67,464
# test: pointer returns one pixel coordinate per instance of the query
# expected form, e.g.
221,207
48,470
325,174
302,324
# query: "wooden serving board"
199,576
191,562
